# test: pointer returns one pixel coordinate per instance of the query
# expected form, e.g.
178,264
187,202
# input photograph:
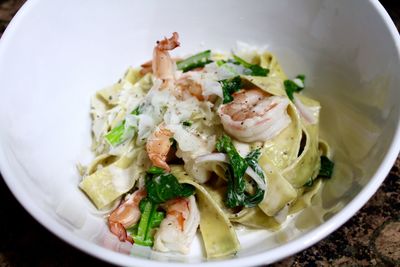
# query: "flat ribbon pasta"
218,234
307,165
271,85
108,183
305,199
269,61
255,218
279,191
282,150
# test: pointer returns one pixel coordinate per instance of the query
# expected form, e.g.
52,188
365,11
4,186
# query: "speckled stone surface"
370,238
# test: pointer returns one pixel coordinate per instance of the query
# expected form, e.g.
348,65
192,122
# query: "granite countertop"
371,237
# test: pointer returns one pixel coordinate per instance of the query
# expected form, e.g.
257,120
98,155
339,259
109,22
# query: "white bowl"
56,54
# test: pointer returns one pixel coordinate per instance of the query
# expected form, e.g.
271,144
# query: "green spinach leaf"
309,183
291,87
326,169
162,187
252,69
252,161
230,86
236,195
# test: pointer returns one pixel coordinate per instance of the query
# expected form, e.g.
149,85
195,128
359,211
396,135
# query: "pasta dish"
200,145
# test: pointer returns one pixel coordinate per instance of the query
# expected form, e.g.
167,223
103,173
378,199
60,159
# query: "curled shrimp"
179,227
126,215
158,145
162,64
187,87
163,67
254,115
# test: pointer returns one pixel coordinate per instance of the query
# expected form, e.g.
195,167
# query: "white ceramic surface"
56,54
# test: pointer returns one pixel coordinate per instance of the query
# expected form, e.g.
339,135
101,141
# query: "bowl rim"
269,256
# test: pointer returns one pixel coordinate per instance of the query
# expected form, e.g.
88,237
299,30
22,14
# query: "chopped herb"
230,86
326,169
252,69
187,123
163,186
195,61
291,87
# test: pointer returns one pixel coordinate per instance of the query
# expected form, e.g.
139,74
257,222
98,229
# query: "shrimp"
187,87
163,67
158,146
254,115
179,227
146,67
126,215
162,64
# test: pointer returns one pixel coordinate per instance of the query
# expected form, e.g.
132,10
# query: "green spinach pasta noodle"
202,144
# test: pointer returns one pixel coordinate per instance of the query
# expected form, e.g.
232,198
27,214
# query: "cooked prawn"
187,87
254,115
179,227
162,64
146,67
158,145
126,215
163,67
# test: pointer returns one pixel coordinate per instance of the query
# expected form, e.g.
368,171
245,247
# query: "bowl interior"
55,55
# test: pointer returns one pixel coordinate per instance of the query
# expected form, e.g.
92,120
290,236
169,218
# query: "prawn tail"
118,229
